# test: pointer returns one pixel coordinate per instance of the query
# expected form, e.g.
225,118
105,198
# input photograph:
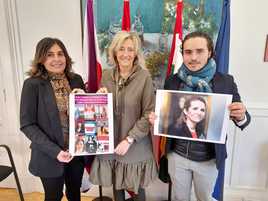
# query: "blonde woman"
132,166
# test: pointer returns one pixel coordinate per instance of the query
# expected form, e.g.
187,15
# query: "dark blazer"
40,122
223,84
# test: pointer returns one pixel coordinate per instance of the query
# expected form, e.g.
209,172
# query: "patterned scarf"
62,90
197,80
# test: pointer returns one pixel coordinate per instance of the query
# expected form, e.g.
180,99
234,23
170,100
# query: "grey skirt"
130,176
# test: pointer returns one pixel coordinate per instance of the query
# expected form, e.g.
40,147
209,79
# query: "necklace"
191,129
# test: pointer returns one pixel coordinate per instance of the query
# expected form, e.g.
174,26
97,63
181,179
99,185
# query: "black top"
193,150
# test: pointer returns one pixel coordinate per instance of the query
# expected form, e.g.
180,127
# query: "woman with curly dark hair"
44,119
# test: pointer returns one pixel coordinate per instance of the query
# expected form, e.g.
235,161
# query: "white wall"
247,164
10,89
248,36
24,22
60,19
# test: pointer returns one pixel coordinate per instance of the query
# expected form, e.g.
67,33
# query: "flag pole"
92,83
82,20
101,197
126,26
178,29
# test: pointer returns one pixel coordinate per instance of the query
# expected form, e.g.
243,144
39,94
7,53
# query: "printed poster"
91,124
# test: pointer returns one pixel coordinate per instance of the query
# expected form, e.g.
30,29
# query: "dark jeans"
73,173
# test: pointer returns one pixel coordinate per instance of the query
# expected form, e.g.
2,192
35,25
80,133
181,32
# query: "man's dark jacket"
222,84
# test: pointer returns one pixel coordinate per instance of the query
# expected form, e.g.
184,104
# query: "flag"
174,62
222,60
126,16
223,40
91,59
126,24
219,185
175,56
91,56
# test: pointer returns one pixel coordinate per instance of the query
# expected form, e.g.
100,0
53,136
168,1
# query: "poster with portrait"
192,115
91,124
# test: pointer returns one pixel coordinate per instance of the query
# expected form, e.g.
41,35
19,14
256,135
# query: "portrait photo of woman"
192,116
192,120
79,146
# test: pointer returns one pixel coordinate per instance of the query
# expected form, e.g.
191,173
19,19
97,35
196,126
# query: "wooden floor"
10,194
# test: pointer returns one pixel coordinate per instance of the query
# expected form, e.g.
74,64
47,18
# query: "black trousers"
72,177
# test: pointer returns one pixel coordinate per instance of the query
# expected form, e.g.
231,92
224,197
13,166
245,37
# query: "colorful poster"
91,124
192,116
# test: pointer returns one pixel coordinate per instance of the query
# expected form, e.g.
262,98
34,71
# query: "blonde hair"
118,40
